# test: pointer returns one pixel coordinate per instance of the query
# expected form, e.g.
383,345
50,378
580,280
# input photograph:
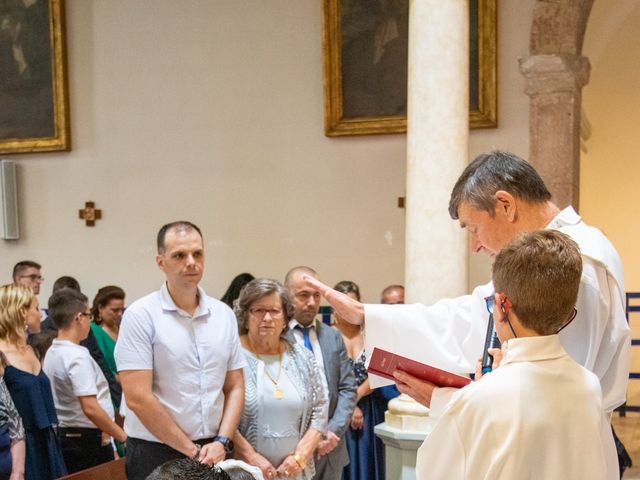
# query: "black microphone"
490,341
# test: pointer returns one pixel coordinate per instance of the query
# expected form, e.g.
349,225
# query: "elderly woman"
285,412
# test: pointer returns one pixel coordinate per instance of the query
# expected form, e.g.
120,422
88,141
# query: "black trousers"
144,456
82,448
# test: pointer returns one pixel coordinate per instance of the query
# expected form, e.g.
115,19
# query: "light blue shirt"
189,355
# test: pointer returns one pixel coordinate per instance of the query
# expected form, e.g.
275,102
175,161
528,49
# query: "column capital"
555,73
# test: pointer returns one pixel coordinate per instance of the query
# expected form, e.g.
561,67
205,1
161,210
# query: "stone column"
554,84
437,147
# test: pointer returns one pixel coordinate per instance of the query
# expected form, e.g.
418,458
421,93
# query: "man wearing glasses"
498,196
27,274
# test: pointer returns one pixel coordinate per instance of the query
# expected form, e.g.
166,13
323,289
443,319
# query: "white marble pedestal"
400,448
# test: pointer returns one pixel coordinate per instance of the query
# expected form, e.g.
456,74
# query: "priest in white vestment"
497,197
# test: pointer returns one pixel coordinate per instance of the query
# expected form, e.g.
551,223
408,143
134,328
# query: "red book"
383,364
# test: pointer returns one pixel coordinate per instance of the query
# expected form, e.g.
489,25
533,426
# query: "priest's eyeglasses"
261,313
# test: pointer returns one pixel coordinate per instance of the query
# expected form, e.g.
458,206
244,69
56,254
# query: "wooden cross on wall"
90,214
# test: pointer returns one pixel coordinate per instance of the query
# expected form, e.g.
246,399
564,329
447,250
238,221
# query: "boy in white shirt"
540,414
80,390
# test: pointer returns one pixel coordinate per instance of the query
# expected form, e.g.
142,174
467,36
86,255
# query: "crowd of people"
279,405
255,385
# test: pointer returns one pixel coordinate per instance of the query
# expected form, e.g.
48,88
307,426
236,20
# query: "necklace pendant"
278,393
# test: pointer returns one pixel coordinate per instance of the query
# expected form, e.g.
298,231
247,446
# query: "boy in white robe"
540,414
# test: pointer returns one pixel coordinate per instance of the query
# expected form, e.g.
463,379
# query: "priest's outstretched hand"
346,307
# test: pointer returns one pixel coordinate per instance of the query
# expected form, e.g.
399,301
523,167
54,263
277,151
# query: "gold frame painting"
359,100
34,105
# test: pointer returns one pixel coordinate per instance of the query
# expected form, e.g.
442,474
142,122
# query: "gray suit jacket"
341,382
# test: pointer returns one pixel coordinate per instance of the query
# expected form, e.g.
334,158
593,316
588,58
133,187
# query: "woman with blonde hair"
28,385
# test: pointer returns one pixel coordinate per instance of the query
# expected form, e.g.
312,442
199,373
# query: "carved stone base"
408,422
406,414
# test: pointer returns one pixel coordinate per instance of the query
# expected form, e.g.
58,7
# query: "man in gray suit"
328,347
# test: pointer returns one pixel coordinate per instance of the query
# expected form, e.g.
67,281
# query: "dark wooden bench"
107,471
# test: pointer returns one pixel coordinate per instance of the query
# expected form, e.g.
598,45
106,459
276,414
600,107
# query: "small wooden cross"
90,214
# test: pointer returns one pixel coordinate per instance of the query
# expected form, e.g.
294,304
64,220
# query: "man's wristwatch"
225,441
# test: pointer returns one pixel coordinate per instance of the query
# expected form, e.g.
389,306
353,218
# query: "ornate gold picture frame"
365,47
34,105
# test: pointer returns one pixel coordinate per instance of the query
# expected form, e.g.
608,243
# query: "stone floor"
628,430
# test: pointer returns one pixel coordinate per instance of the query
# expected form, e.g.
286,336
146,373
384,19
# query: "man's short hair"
187,469
495,171
20,267
65,282
390,289
179,226
295,270
64,305
540,272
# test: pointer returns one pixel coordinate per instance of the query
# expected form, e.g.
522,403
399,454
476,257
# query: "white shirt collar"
568,216
168,303
531,349
293,323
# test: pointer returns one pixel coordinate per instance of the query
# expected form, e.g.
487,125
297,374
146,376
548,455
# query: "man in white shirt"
180,363
539,415
498,196
80,390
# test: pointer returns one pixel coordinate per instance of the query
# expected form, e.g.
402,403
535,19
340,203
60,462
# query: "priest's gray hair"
254,291
495,171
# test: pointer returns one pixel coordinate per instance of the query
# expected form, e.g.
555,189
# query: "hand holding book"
383,363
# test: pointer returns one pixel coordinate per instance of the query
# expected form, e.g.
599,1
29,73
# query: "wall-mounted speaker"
8,201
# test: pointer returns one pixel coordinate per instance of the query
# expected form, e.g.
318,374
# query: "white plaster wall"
212,111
